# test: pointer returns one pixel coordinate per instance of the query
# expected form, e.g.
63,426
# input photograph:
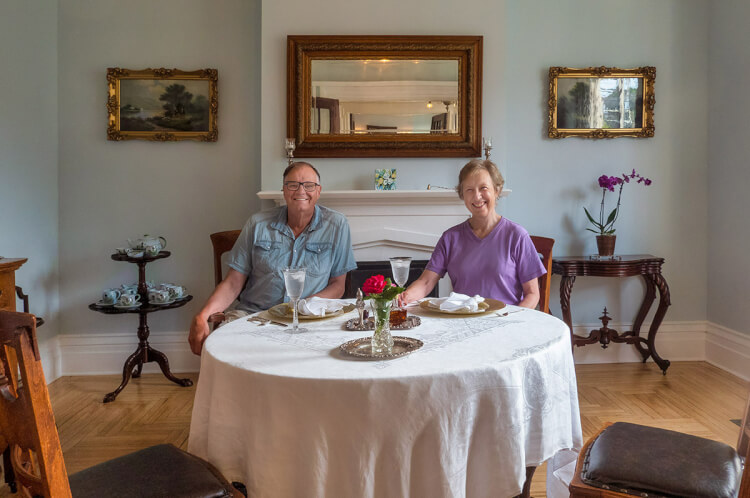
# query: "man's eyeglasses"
294,186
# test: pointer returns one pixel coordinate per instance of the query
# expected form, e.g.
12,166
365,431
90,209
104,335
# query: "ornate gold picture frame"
601,102
384,96
162,104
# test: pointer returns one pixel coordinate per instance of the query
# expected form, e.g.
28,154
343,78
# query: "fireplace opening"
366,269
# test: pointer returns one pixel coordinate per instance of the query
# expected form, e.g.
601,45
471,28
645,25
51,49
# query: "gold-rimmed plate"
486,306
284,310
362,348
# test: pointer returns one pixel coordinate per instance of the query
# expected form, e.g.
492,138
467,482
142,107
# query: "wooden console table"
645,265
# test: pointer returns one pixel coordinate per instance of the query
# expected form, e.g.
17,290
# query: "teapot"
148,240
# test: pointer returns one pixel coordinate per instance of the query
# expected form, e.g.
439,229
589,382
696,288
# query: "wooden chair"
28,427
222,242
625,459
544,248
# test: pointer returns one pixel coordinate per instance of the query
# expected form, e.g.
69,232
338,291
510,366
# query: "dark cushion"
637,459
158,471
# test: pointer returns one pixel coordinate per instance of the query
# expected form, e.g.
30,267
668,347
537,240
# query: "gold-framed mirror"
384,96
601,102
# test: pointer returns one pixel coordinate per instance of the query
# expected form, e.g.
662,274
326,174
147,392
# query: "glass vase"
382,341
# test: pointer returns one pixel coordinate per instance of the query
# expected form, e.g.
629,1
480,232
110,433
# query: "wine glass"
294,281
400,269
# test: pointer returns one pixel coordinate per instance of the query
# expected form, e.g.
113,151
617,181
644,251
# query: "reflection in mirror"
377,96
384,96
600,103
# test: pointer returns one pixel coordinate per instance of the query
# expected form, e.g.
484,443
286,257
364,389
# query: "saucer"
103,304
122,307
164,303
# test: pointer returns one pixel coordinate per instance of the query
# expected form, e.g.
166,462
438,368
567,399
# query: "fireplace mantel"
387,223
348,201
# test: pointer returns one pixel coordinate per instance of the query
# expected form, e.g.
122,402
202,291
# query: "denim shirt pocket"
318,257
266,255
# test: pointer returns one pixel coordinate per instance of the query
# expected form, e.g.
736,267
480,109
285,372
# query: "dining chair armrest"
216,319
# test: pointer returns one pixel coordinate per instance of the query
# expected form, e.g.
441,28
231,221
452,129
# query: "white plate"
103,304
486,306
163,304
122,307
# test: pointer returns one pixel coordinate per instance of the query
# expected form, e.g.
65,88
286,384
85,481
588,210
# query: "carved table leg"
664,302
648,300
161,359
127,371
137,371
566,286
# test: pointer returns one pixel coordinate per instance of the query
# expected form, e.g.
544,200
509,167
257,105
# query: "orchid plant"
605,226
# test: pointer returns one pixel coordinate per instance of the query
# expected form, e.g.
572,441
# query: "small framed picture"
385,179
162,104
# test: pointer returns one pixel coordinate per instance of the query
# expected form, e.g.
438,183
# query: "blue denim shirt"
267,245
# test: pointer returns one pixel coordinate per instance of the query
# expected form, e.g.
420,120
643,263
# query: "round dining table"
290,415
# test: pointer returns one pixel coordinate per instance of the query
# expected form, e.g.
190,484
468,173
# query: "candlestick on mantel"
289,146
487,146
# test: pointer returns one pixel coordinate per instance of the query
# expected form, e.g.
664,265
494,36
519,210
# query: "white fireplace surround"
386,223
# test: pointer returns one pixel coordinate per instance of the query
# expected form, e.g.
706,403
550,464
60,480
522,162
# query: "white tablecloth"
290,416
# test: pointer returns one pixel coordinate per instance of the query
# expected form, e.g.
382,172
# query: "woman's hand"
419,288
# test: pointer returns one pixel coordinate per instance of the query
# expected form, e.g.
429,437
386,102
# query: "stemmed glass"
400,269
294,281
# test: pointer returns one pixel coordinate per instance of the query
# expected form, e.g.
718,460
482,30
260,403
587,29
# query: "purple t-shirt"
495,266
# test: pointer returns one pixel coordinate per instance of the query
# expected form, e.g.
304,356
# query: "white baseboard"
728,350
100,354
675,341
49,351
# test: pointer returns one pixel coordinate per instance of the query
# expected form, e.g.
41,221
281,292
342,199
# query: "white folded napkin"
319,306
459,302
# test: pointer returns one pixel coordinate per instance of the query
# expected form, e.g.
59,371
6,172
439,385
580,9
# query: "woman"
487,254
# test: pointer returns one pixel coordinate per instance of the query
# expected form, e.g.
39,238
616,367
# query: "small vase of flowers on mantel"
604,227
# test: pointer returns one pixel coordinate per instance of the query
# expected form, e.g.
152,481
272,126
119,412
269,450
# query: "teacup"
129,299
129,289
159,296
177,291
151,249
110,296
134,253
122,250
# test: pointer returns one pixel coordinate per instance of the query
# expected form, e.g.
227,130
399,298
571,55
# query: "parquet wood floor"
694,397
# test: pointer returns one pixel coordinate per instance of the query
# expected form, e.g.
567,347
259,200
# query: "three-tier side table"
144,353
645,265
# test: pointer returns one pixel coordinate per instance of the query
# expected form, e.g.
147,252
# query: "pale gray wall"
551,179
28,151
729,165
384,17
110,191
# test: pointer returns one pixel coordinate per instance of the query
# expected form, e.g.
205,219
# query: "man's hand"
198,333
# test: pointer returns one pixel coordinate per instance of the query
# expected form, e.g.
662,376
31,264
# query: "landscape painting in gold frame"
162,105
601,102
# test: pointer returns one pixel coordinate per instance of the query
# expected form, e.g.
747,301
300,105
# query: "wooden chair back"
26,420
222,242
543,246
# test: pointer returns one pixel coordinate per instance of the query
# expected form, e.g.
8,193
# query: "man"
298,234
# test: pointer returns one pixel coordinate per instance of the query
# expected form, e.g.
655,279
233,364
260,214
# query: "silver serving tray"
410,322
362,348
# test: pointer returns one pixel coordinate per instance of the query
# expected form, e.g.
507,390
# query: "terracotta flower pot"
606,244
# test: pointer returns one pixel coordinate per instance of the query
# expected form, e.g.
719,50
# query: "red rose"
374,285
